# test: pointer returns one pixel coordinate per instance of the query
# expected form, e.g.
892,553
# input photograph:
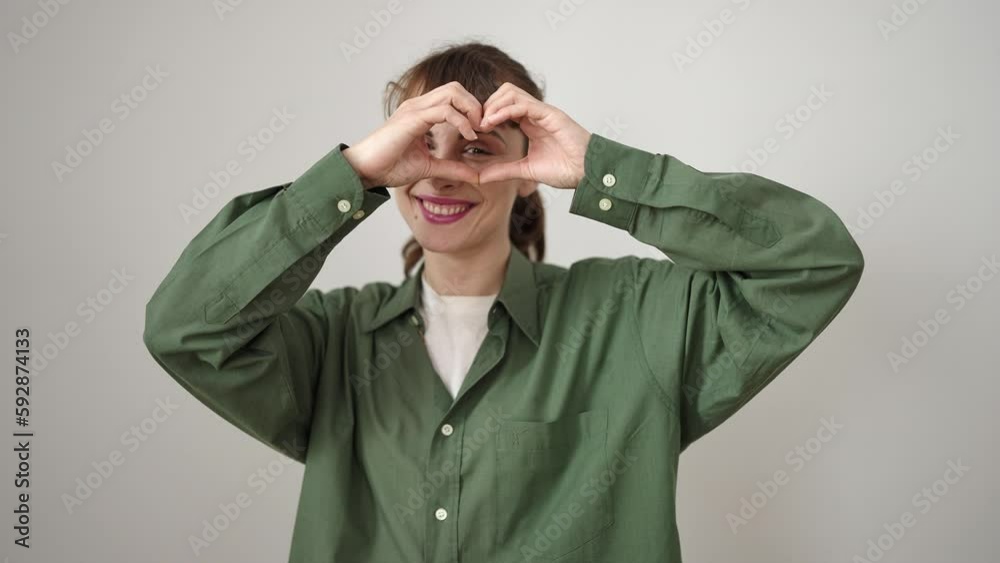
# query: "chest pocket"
549,496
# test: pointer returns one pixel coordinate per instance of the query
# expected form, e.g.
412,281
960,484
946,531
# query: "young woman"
491,407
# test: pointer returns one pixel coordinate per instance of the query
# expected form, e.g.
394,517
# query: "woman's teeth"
444,209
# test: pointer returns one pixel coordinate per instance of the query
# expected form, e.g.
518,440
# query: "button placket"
417,322
444,463
494,311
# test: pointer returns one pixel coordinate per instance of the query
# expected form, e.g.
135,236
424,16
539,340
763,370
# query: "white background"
62,237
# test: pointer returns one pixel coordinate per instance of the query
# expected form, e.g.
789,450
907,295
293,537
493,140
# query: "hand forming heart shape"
396,154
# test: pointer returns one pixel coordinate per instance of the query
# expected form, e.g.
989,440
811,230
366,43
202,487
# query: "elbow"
846,253
153,330
855,264
163,329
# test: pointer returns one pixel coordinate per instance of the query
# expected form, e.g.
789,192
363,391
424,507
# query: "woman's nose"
442,185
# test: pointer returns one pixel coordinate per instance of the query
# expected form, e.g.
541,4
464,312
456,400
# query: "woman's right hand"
396,154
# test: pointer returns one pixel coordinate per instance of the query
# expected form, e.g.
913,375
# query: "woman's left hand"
557,145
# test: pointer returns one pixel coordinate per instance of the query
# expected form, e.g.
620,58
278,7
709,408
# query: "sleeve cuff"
330,193
619,178
614,177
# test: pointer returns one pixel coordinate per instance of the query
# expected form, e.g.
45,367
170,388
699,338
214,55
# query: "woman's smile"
443,210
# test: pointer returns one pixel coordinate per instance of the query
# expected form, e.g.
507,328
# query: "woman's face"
449,216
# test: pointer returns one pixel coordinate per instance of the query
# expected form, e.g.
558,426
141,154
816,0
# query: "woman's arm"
233,322
761,269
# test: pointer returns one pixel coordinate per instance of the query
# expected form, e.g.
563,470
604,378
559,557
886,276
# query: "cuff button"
344,205
604,204
609,180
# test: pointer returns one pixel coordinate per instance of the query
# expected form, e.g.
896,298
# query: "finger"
514,97
452,93
452,170
501,171
505,94
514,112
465,102
500,92
507,98
530,128
446,113
506,89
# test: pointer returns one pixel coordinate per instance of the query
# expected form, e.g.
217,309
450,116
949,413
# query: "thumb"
500,171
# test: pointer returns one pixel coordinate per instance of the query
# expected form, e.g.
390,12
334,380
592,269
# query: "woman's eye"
478,151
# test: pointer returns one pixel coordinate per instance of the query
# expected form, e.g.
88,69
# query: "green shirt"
564,439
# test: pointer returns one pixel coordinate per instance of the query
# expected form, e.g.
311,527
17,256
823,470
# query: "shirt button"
447,429
414,320
604,204
359,214
440,514
609,180
344,205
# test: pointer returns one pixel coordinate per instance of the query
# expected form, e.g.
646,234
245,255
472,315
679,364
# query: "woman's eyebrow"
495,134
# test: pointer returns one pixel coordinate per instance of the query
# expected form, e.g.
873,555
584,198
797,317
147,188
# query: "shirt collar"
519,295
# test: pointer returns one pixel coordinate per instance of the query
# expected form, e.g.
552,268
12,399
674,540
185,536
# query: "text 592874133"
22,437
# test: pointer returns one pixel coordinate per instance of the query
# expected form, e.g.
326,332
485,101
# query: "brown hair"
481,69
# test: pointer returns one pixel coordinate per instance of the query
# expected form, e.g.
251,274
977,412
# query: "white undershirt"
454,329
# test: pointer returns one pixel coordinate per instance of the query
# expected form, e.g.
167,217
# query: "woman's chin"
442,243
